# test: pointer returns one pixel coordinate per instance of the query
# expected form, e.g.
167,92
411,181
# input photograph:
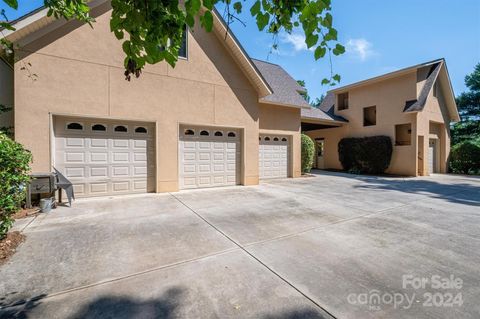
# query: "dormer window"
343,101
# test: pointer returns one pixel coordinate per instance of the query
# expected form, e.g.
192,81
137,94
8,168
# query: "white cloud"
360,48
296,40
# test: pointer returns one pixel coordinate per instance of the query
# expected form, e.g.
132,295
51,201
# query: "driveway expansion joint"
322,308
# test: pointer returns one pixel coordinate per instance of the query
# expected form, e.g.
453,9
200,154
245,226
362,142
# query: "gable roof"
419,104
438,70
286,91
317,114
385,76
36,24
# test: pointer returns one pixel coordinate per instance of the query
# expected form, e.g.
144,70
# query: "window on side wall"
370,116
182,53
403,134
435,89
343,101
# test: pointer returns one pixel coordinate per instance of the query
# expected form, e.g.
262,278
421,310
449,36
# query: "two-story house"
413,106
213,120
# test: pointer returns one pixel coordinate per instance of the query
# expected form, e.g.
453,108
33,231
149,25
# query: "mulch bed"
26,212
9,244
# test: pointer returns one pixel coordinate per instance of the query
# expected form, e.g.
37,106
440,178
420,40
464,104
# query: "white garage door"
104,157
208,157
273,156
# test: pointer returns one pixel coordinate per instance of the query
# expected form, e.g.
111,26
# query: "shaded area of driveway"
285,249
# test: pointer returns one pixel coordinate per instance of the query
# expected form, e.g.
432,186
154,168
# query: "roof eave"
314,120
383,77
239,54
263,101
39,21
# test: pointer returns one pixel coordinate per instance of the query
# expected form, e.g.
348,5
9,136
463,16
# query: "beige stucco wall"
389,97
80,72
284,121
434,122
6,93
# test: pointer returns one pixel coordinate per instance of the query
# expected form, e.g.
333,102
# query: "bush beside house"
14,168
308,150
465,157
370,155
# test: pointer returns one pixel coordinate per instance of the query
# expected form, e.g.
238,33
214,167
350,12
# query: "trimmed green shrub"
369,155
14,169
308,150
465,157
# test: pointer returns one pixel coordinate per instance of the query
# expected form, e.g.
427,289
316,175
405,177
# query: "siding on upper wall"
6,93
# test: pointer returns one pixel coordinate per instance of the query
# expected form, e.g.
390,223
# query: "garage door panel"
100,188
105,162
120,186
74,142
97,172
119,157
120,171
74,157
73,172
99,143
208,161
273,157
98,157
139,171
204,168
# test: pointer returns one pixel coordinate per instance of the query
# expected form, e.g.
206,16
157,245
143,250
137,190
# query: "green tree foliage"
151,30
308,150
5,129
14,169
465,157
369,155
313,103
468,104
304,94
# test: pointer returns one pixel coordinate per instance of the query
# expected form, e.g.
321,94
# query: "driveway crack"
322,308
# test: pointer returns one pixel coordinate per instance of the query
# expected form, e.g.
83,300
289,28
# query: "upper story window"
183,51
370,116
184,47
343,101
403,134
435,89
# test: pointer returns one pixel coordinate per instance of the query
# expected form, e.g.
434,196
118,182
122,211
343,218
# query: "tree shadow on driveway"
458,193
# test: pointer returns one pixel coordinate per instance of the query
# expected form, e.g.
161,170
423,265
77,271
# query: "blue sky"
380,36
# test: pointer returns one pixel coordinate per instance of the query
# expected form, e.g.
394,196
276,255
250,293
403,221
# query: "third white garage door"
209,157
273,156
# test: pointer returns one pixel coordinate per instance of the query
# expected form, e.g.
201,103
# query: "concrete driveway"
332,245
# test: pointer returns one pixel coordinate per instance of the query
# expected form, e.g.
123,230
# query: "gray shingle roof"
328,102
325,110
318,114
285,88
419,104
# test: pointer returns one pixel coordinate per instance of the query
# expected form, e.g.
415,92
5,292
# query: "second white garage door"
273,156
208,157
